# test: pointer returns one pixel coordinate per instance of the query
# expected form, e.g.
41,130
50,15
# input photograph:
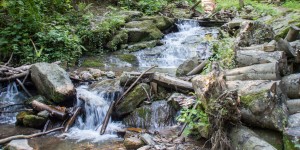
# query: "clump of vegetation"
292,4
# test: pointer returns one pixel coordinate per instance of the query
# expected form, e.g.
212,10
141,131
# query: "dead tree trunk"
52,110
172,82
292,34
269,71
291,84
251,57
293,106
283,45
263,104
127,78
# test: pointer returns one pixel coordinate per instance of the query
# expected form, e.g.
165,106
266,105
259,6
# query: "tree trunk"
267,71
172,82
243,138
251,57
263,104
52,110
291,84
283,45
292,34
293,106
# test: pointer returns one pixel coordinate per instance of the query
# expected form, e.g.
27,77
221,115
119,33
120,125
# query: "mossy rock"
128,58
130,15
142,45
187,66
161,22
120,38
142,31
20,116
291,139
181,13
162,93
34,121
272,137
141,117
133,99
38,98
92,63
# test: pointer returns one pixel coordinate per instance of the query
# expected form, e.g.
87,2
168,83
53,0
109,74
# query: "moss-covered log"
263,104
291,84
252,57
269,71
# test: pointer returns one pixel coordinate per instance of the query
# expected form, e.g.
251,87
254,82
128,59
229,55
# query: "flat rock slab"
52,81
18,145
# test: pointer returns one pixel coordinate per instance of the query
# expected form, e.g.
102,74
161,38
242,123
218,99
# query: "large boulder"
34,121
158,114
187,66
117,40
254,33
133,99
245,139
130,15
161,22
18,145
142,31
52,81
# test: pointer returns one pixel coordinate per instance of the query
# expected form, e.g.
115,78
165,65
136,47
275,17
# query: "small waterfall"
95,106
191,40
8,96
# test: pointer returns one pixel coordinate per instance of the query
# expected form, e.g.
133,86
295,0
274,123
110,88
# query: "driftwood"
263,103
293,106
292,34
108,114
198,69
269,71
252,57
8,139
291,84
72,119
283,45
52,110
172,82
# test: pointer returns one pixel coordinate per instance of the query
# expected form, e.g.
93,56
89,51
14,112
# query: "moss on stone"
142,45
248,99
120,38
34,121
20,116
288,144
92,63
128,58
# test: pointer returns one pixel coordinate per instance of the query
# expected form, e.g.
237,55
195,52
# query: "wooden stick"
198,68
24,88
10,105
9,60
72,119
25,78
106,119
108,114
53,111
14,111
195,5
46,125
8,139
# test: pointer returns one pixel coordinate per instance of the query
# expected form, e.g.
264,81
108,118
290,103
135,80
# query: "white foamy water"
87,126
8,96
191,41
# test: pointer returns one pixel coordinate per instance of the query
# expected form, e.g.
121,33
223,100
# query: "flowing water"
191,40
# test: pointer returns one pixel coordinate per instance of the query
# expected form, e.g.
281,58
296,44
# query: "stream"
191,40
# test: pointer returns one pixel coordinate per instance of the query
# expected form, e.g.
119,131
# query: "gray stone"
110,86
96,73
52,82
187,66
294,120
18,145
161,22
110,74
142,45
133,143
44,114
86,75
147,139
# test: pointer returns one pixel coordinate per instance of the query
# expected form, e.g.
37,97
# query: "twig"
10,105
149,99
46,125
195,5
5,140
72,119
9,60
14,111
25,77
14,76
24,88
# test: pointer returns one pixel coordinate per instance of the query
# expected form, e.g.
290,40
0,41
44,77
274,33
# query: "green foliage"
37,30
224,53
292,4
195,118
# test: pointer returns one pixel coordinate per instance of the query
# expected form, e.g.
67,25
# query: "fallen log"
8,139
172,82
270,47
72,119
269,71
252,57
52,110
283,45
127,78
293,34
293,106
13,77
198,69
291,84
263,103
106,119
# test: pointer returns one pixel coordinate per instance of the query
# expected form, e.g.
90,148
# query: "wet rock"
146,147
272,137
162,93
161,22
86,75
34,121
38,98
142,45
18,145
133,99
20,116
133,143
291,138
243,138
116,41
179,100
110,74
52,82
44,114
158,114
294,120
110,86
254,33
187,66
142,31
132,59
